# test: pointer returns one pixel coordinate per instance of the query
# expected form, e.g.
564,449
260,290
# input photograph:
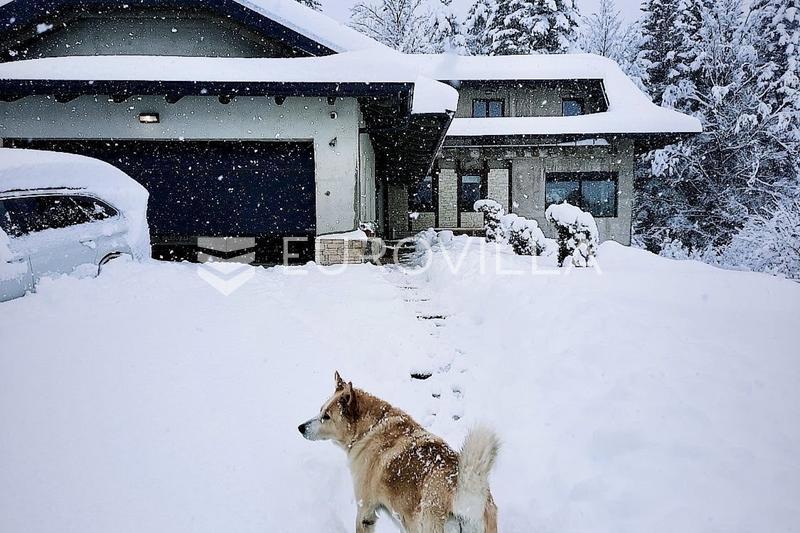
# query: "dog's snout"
302,428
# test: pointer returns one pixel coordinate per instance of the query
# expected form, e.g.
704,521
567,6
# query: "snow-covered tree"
661,44
770,240
533,27
777,26
738,176
447,33
577,234
602,32
629,54
404,25
479,19
314,4
492,213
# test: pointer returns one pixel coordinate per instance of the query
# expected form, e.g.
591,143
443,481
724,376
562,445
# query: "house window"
595,192
571,107
470,191
421,197
483,108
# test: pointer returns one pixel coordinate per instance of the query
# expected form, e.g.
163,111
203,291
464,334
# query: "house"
250,121
530,131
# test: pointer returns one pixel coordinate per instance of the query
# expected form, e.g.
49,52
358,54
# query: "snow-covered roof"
368,66
306,21
312,24
629,109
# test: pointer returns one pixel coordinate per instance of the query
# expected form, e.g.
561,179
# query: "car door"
107,231
15,272
49,233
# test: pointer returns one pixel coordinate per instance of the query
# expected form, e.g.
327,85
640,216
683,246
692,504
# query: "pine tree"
313,4
404,25
705,189
478,21
533,27
447,31
602,32
662,44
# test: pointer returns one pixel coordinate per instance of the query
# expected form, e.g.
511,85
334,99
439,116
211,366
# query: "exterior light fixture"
149,118
280,100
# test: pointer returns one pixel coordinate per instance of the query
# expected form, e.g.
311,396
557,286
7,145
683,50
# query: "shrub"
577,234
524,236
492,213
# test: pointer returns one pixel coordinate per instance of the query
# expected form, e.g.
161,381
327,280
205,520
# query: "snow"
370,66
629,110
654,396
313,24
35,169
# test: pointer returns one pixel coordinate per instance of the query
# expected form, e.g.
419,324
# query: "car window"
37,213
95,209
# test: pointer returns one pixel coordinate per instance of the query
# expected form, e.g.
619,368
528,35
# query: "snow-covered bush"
769,242
492,212
525,236
577,234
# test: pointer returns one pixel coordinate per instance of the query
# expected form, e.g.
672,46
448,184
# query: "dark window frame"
581,177
488,102
461,171
581,101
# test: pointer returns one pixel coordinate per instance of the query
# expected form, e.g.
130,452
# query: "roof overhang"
407,120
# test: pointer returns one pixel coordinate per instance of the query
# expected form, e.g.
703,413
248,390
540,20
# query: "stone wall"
448,198
347,251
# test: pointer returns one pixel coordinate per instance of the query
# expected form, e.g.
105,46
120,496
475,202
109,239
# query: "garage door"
214,188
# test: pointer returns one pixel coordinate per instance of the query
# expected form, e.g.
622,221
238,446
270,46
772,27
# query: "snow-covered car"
64,212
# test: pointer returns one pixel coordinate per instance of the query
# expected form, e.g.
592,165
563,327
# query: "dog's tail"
472,489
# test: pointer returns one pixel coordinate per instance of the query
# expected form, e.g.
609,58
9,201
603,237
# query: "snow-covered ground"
656,396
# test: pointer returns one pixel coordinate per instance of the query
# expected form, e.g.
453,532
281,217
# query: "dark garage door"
214,188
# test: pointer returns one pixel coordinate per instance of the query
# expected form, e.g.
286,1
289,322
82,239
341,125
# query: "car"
61,213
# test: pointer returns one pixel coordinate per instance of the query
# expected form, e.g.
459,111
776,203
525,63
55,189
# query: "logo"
225,263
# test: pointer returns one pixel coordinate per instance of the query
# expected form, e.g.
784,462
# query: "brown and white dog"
399,467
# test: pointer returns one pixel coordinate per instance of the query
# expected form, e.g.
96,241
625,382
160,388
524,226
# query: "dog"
399,467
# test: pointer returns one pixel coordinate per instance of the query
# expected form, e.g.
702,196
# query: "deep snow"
656,396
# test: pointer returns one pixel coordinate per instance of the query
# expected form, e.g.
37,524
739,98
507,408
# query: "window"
470,191
595,192
94,208
421,198
571,107
31,214
482,108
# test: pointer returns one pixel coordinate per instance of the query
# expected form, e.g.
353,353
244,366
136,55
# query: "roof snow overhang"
629,112
288,21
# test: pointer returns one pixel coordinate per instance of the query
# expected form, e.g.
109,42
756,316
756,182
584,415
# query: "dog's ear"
339,381
349,401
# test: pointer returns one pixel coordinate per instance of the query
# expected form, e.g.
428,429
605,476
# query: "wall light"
149,118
